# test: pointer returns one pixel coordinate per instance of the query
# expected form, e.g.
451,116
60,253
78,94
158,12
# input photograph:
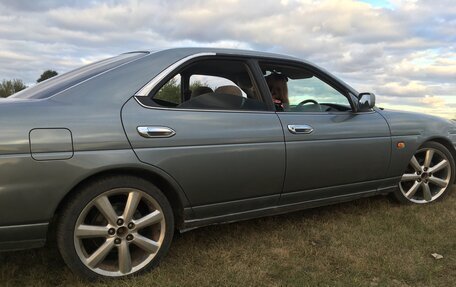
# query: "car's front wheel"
429,175
114,227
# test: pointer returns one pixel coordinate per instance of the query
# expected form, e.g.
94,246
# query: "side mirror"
366,101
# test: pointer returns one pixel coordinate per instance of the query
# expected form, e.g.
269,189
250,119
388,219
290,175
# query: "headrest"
201,90
230,90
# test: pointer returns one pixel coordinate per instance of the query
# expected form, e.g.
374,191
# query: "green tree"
169,92
197,84
9,87
46,75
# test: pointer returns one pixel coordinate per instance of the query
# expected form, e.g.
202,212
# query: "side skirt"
281,209
18,237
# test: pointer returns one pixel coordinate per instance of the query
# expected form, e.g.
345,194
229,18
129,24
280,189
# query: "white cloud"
399,50
434,101
407,89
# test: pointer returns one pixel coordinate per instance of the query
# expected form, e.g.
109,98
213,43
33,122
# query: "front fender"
414,129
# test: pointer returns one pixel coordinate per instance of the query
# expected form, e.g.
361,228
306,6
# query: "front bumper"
17,237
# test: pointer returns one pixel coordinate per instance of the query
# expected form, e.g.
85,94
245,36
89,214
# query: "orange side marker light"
400,145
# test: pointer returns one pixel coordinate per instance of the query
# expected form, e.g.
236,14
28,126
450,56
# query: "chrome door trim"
144,91
300,129
202,110
155,132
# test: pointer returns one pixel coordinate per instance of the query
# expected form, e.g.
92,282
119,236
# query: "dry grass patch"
369,242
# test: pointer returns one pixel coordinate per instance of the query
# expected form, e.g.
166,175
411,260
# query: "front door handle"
300,129
156,132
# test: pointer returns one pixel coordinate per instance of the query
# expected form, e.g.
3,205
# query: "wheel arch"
446,143
170,189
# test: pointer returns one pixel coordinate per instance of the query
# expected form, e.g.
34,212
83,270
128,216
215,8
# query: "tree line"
9,87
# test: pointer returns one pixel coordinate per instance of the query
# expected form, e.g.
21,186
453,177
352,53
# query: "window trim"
140,99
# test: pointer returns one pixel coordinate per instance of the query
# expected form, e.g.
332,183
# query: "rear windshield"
61,82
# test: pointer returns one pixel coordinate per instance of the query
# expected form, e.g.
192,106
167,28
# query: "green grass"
368,242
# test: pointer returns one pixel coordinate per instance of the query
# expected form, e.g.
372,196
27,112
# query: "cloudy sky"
402,50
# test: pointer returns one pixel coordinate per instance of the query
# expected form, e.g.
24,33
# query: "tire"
115,227
429,175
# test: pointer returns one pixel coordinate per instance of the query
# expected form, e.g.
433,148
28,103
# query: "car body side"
36,178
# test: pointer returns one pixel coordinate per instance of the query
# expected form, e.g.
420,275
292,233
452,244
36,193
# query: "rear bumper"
16,237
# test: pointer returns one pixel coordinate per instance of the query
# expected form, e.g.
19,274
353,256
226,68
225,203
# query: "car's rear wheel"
115,227
429,175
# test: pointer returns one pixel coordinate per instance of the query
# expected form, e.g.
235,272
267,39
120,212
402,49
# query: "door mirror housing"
366,101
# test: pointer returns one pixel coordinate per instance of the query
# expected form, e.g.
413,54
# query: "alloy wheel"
119,232
427,176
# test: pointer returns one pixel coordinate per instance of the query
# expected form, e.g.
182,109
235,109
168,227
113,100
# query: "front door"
330,150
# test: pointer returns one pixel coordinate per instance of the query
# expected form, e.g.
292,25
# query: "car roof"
227,51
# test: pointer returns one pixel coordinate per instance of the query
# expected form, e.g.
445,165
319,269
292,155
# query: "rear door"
208,127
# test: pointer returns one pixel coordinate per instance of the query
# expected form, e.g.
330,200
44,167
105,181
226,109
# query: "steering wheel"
307,101
298,106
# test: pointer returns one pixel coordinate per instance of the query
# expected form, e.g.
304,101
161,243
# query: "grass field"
368,242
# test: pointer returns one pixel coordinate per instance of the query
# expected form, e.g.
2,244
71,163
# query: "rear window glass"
61,82
210,84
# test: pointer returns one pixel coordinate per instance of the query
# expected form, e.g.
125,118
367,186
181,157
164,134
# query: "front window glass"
297,90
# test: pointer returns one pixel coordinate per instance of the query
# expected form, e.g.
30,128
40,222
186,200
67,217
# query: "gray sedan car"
119,154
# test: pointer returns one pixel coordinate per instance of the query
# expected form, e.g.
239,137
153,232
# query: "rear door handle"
156,132
300,129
